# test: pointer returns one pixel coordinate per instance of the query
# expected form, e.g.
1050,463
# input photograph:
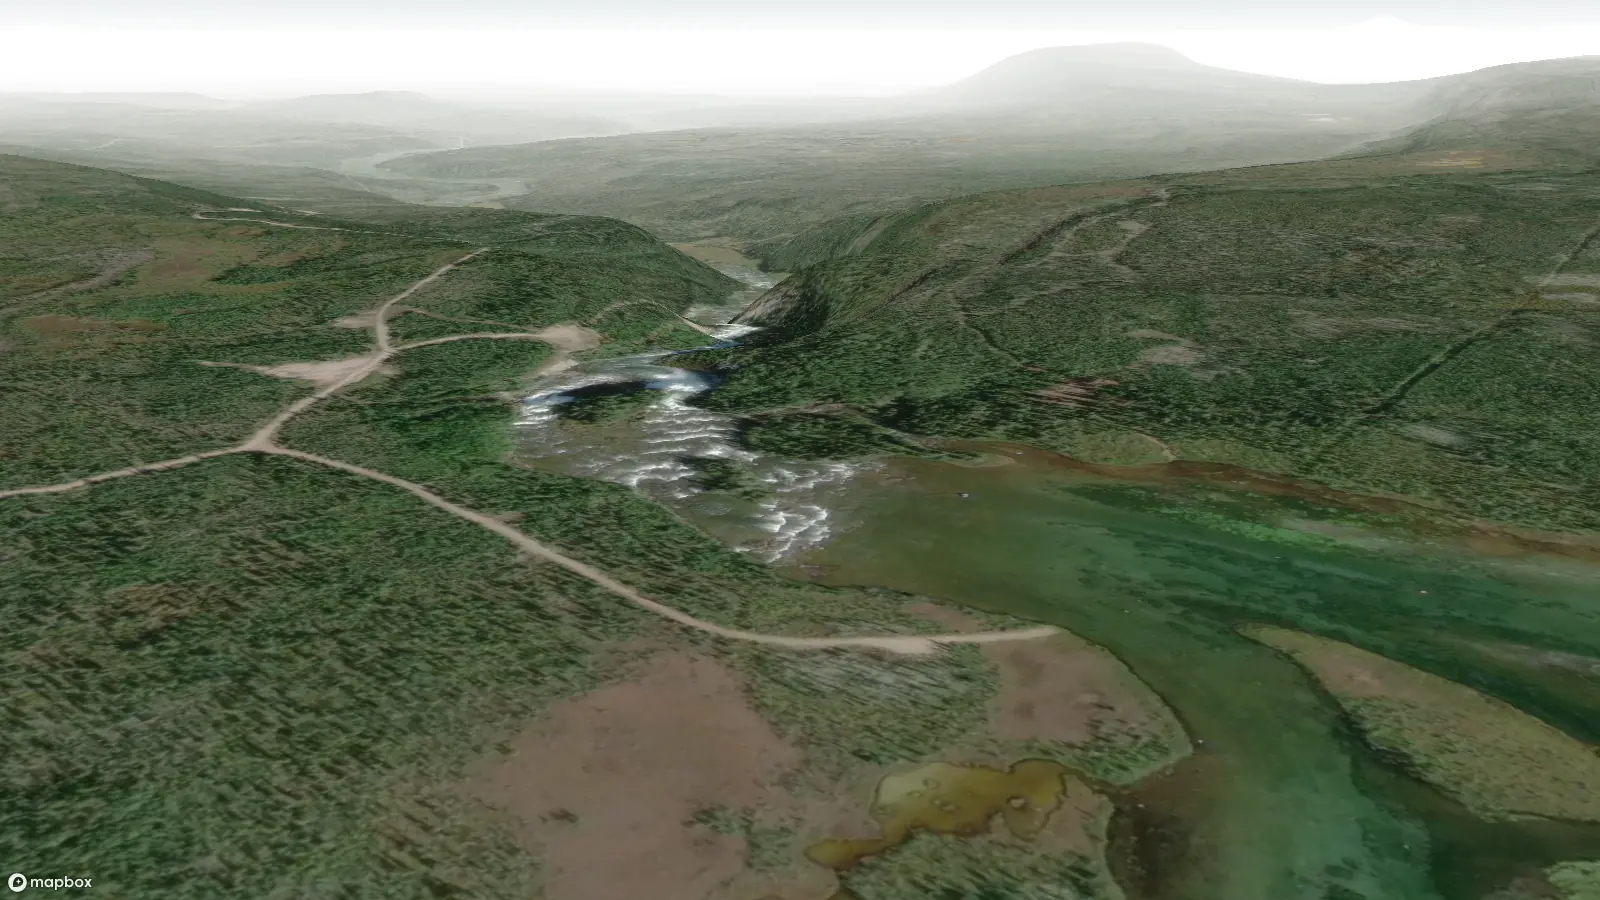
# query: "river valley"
1282,799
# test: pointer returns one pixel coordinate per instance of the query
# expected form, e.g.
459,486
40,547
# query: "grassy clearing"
1576,880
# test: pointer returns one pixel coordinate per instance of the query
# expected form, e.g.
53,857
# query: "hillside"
758,184
1379,325
1059,114
308,152
1085,76
421,115
1550,109
264,561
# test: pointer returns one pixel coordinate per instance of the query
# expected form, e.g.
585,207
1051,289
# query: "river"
781,508
1280,801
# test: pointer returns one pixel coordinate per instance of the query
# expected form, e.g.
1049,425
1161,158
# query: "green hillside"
1382,325
1049,116
114,295
275,672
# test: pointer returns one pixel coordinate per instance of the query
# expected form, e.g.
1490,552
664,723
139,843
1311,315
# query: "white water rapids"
647,451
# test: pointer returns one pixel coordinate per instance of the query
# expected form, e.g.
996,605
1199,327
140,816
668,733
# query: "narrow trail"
205,218
1057,233
263,441
484,336
264,436
623,304
906,645
165,465
1396,395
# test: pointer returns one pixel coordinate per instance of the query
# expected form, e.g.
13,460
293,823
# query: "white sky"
259,63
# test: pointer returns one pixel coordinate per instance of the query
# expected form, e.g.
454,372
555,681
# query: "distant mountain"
406,111
1068,75
1549,108
1571,83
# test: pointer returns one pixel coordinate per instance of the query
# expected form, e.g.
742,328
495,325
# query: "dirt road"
905,645
566,339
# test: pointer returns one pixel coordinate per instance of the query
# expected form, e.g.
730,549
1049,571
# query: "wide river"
1281,801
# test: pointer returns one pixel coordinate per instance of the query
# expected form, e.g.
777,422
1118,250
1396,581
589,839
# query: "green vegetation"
1576,880
102,376
204,660
1281,797
1432,336
762,184
982,868
714,474
768,847
606,403
1497,760
230,640
258,674
820,436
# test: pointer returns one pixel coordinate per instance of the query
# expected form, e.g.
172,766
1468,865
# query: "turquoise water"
1281,800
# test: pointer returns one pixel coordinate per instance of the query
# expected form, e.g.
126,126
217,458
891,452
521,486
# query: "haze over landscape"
739,58
850,451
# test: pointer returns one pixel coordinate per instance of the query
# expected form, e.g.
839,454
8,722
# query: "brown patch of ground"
1153,335
1454,159
115,266
185,262
1534,656
1434,435
1061,689
567,339
323,373
1171,355
1479,536
716,254
608,786
359,320
1569,279
112,265
570,338
67,331
1078,393
1497,760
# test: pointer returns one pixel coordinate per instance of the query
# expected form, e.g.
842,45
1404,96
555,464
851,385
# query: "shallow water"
1280,799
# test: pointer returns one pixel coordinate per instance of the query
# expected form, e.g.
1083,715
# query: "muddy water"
1280,800
957,800
782,506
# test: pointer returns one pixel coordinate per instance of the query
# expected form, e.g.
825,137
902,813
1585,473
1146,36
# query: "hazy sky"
732,46
808,14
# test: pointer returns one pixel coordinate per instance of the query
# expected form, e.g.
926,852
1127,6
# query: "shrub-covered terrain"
257,675
1426,335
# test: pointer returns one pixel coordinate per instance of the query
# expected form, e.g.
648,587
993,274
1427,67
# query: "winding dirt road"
264,441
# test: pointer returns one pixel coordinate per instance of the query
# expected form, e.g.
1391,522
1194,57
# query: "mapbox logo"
19,882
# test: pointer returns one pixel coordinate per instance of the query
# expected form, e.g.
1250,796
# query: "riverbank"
1279,800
